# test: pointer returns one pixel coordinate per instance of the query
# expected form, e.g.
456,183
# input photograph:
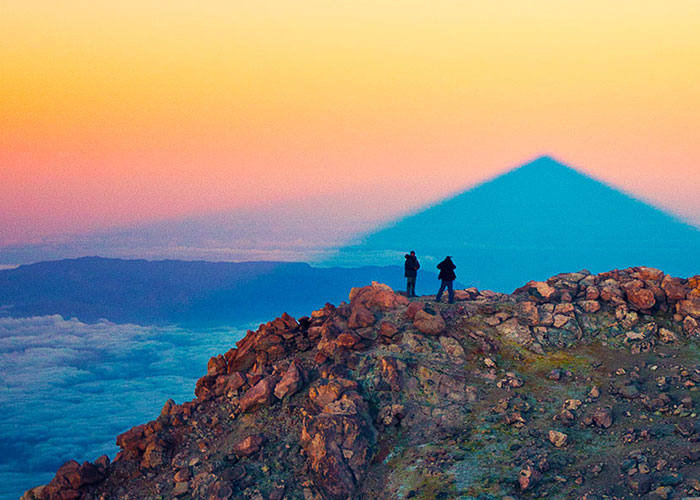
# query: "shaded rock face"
257,396
291,381
340,443
581,386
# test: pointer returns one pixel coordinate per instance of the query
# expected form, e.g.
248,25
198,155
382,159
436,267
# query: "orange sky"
117,114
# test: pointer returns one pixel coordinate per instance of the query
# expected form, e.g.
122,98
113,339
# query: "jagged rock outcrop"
582,386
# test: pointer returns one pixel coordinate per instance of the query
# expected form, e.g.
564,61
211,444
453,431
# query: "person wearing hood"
447,275
411,267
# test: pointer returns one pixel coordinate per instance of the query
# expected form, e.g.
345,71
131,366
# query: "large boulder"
674,289
539,291
689,307
528,313
290,383
361,317
641,298
430,324
376,297
339,444
258,395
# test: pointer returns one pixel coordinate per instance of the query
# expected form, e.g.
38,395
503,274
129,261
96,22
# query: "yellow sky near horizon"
114,113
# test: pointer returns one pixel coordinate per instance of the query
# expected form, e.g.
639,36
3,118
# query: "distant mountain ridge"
534,221
181,292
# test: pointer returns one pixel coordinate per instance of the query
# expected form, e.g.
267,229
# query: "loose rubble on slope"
580,387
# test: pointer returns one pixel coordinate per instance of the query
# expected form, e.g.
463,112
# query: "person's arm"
417,265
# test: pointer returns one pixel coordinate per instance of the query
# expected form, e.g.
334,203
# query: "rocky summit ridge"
579,387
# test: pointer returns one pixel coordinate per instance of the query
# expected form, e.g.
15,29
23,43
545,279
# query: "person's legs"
450,293
442,289
411,287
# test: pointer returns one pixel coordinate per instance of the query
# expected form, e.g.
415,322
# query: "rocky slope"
581,387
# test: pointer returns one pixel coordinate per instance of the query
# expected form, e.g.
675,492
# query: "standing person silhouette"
411,267
447,275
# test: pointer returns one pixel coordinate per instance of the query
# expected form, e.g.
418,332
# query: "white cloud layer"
61,377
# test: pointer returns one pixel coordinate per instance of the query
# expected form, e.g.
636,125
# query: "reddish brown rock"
167,408
290,383
216,366
361,317
528,313
528,477
377,297
641,298
388,329
462,295
413,308
339,448
258,395
102,462
242,361
205,387
690,325
390,373
325,393
560,320
590,306
72,476
133,439
592,293
347,340
183,475
632,285
673,288
557,438
689,307
154,455
649,273
667,336
566,308
538,290
180,489
603,417
430,324
265,342
612,294
235,381
249,445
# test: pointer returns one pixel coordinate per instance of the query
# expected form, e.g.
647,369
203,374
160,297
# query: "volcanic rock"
290,383
258,395
248,445
557,438
381,398
642,298
603,417
430,324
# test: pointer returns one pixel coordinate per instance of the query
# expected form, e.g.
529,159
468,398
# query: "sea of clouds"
68,388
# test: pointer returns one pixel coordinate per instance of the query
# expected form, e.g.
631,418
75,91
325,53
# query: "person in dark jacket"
447,275
411,267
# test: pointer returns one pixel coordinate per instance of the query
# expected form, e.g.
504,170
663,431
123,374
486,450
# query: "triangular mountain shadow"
535,221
